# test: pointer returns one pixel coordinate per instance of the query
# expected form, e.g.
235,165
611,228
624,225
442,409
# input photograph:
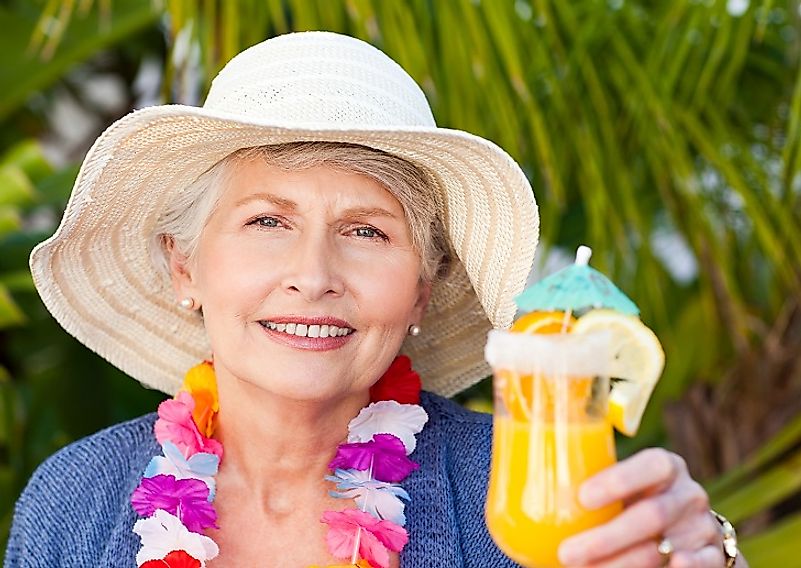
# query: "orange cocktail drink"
550,434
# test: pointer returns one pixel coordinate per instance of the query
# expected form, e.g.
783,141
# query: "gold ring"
665,549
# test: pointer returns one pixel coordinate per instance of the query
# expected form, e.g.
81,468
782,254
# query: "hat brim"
96,277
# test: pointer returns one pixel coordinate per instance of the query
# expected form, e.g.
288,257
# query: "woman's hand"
661,501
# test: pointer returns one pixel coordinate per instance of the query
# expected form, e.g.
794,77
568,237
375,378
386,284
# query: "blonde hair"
183,221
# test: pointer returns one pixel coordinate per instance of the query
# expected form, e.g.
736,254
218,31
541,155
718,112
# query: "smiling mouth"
307,330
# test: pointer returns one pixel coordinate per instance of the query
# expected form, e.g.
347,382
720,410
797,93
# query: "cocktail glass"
550,434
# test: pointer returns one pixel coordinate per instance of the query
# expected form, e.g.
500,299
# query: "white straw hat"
95,274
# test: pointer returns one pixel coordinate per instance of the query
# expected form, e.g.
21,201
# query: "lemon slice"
638,363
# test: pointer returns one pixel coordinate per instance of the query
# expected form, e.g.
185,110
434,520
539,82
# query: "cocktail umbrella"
577,288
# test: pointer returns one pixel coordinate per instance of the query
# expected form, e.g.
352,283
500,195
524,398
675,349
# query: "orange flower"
201,382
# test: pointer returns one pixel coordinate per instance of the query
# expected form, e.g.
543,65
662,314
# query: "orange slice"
543,323
516,389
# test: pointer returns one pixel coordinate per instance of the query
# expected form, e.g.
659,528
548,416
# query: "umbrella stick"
566,320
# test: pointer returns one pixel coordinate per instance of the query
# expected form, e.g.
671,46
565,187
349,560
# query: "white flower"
200,466
379,498
162,533
388,417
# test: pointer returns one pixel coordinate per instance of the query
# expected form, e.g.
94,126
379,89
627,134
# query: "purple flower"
385,454
187,499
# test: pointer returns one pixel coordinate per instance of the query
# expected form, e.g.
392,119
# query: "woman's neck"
275,445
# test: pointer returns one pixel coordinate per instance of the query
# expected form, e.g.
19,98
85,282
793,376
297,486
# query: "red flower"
400,383
175,559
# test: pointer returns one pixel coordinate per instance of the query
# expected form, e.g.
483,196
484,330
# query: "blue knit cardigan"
75,511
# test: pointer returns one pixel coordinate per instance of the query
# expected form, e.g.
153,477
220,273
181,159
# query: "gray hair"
184,218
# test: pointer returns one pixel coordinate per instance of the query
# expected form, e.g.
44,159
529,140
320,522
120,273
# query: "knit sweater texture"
76,511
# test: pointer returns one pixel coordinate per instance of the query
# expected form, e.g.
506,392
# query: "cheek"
232,280
388,291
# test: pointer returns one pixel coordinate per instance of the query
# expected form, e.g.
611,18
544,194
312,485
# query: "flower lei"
177,489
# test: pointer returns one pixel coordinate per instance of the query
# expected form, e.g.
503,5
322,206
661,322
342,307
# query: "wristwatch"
729,539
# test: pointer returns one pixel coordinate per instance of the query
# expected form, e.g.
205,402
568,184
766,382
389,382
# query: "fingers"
645,555
647,471
644,521
649,519
702,530
642,555
705,557
663,501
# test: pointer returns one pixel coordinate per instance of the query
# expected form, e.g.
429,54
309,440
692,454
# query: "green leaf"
10,314
28,157
15,187
23,73
774,547
780,443
768,489
17,281
5,407
10,220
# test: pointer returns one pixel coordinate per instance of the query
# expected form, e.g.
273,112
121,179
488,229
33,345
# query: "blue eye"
369,233
266,222
366,232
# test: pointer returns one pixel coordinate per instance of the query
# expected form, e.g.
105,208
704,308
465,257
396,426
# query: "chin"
303,385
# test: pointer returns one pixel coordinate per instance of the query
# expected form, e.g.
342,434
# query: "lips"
312,333
308,330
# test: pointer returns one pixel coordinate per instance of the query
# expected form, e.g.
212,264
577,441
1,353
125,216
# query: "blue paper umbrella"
576,288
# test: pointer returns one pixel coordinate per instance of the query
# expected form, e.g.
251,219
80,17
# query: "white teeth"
305,330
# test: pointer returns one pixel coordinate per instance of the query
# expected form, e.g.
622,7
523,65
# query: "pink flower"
376,540
175,423
187,499
385,453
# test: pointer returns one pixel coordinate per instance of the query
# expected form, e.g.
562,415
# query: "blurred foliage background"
664,133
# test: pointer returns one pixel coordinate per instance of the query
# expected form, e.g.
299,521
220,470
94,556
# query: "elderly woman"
284,244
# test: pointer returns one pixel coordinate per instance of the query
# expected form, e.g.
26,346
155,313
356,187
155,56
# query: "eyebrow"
284,203
357,212
268,197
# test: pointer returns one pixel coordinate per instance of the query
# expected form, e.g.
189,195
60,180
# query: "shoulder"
465,442
104,458
464,435
453,413
74,498
468,431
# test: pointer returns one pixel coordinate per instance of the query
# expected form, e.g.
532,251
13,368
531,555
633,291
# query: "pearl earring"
414,330
187,303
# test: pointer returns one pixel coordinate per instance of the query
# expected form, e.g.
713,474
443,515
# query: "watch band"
730,550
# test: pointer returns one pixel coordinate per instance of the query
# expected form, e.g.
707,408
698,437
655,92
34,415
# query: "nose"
312,269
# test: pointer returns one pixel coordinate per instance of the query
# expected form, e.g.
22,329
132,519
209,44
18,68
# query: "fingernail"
571,552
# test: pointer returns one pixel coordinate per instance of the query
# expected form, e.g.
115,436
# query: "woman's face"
308,280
